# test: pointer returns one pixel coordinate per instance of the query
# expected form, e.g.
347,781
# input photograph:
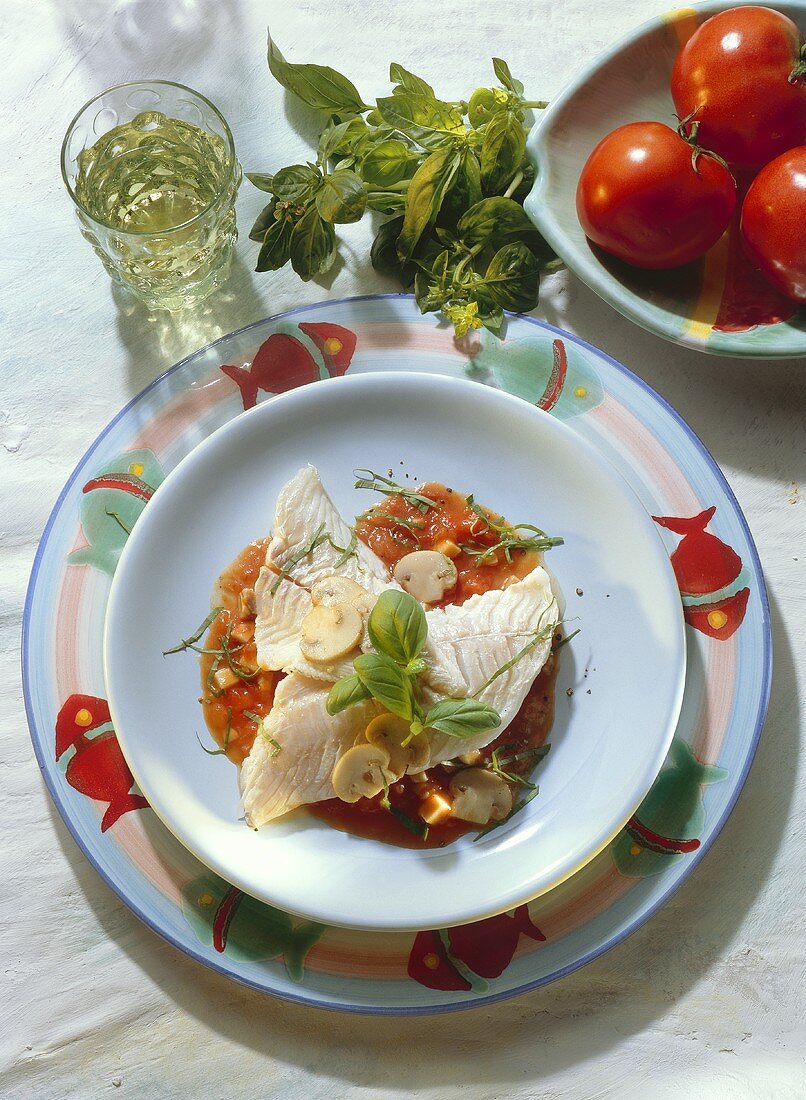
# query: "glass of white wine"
151,168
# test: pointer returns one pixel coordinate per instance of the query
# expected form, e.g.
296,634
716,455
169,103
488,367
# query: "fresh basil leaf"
426,295
512,279
342,197
345,693
432,287
428,121
483,104
501,150
492,318
340,139
495,217
501,70
466,189
296,182
397,626
415,667
384,255
313,245
317,85
408,81
386,202
276,248
386,163
387,683
462,717
424,197
261,180
263,222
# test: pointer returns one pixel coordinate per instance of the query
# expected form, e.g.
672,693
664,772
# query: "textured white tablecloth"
707,999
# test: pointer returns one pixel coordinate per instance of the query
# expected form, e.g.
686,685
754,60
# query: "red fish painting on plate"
712,580
464,957
97,768
294,356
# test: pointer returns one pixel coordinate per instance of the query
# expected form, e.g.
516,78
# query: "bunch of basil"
452,175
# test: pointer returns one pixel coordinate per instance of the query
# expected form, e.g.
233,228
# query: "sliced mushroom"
390,731
361,772
330,631
480,796
426,574
335,589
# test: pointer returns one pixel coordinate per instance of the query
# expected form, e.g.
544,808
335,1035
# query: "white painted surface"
707,1000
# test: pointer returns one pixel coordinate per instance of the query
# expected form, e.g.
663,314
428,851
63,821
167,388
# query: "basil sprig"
451,175
398,630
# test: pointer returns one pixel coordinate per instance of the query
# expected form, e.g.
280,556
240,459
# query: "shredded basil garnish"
368,479
188,643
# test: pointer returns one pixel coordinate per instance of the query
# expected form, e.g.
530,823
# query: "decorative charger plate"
727,683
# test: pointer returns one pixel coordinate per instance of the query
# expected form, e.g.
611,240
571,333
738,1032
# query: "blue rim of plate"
188,948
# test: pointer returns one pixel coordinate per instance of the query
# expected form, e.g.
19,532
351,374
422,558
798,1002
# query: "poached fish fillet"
303,508
311,741
465,646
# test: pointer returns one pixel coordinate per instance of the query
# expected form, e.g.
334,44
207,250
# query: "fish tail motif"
686,526
554,386
525,924
296,948
689,766
105,560
120,806
243,379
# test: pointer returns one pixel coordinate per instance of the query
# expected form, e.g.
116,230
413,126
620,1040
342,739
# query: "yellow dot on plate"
580,391
431,961
635,850
206,900
717,619
333,346
83,717
136,468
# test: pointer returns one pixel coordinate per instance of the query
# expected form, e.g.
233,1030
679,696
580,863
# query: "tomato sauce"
453,528
391,529
231,728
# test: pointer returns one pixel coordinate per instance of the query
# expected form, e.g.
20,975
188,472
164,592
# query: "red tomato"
774,222
735,72
640,199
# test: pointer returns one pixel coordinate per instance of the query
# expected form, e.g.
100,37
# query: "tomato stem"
688,129
799,72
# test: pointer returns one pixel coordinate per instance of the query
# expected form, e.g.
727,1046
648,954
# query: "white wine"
155,198
151,174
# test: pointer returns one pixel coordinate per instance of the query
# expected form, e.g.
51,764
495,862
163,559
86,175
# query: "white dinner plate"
608,741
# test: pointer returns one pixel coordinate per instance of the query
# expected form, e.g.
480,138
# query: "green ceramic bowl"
718,304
